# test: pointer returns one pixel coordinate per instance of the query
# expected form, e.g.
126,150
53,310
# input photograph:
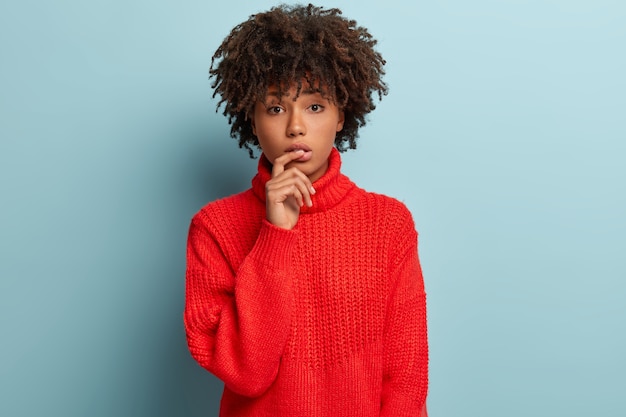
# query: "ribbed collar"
330,189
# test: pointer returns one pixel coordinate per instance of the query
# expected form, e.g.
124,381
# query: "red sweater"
327,319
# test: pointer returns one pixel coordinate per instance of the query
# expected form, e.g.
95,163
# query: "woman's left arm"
405,372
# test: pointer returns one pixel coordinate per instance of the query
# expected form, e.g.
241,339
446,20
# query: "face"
310,123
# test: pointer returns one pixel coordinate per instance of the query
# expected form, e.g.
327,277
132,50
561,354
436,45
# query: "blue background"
504,133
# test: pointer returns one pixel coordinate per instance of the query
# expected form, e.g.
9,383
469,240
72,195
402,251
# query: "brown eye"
274,110
316,108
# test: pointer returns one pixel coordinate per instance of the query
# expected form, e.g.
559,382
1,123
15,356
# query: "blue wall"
504,132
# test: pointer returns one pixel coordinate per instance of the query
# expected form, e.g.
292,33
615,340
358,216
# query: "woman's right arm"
237,322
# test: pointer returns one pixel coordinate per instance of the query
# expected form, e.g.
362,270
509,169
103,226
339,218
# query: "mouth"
298,147
308,152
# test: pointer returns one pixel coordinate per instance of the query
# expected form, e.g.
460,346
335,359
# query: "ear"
252,124
342,118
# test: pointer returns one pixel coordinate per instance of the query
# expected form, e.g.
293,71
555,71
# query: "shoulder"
385,219
228,210
392,210
389,223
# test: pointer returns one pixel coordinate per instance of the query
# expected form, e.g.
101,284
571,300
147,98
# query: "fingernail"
313,190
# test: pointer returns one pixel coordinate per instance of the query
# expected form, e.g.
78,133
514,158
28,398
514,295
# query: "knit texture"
326,319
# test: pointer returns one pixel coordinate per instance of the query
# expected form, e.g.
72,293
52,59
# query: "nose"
295,125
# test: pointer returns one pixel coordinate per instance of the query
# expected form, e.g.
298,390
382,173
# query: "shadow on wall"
210,168
219,169
187,389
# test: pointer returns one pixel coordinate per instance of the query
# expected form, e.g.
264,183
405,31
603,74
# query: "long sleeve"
237,322
405,372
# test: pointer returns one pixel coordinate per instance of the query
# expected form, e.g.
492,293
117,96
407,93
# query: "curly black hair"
289,44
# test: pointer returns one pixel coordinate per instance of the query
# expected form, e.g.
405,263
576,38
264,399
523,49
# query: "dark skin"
287,191
297,135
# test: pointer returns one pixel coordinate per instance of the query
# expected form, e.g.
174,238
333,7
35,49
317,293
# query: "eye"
316,108
274,109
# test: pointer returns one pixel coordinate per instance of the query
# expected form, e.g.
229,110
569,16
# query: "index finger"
281,161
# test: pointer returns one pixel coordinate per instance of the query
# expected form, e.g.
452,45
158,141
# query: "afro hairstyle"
289,45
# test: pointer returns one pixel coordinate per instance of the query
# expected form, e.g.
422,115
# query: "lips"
308,152
297,147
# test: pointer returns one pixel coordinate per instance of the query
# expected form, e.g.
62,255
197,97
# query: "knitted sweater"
326,319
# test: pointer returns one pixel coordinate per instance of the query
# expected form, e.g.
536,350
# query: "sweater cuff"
274,245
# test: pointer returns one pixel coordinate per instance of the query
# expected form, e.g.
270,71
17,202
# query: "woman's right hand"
287,191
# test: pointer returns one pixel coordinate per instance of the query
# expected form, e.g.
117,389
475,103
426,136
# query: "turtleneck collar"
330,189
